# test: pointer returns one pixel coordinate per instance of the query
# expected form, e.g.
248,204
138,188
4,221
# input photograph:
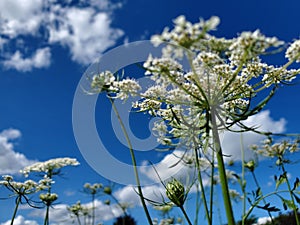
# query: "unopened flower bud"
175,192
107,190
48,198
250,165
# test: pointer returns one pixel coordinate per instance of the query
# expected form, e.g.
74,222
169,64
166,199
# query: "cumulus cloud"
128,194
60,215
262,220
10,160
20,220
41,58
231,142
84,29
20,17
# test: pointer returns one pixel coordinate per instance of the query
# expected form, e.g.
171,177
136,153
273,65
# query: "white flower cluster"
48,198
293,52
103,81
92,188
185,33
224,75
162,70
50,165
270,149
249,45
23,188
106,81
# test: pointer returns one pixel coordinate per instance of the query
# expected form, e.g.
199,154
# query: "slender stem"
243,181
136,174
93,208
291,194
212,181
16,209
260,199
46,220
78,220
197,205
202,187
185,215
264,200
119,204
222,170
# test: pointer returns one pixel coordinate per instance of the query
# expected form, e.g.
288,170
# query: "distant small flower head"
20,188
76,209
48,198
92,188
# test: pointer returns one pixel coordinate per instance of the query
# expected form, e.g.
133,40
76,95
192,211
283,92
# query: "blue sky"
45,48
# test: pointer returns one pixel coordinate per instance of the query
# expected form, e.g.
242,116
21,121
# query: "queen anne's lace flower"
293,52
21,188
223,76
50,165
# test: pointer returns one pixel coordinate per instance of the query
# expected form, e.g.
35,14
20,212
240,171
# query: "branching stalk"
133,163
16,209
185,215
291,194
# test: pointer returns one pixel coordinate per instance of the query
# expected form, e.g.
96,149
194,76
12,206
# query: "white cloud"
40,59
231,142
20,17
84,29
128,194
60,215
10,160
20,220
262,220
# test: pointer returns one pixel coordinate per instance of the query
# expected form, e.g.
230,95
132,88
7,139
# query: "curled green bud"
107,190
250,165
175,192
48,198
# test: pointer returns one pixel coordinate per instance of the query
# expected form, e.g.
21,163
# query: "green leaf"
258,193
296,184
297,198
269,208
280,180
288,203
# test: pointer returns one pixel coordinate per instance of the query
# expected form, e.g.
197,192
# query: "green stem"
291,194
185,215
78,220
136,174
260,199
16,209
222,170
202,188
243,181
264,201
212,181
93,208
197,205
46,220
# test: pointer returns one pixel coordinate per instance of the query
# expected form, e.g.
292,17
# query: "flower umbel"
50,165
